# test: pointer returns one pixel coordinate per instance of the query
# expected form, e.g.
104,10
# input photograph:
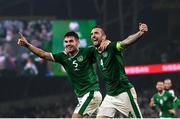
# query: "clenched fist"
143,27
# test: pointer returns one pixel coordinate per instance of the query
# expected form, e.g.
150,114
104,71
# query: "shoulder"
59,53
168,93
171,91
88,51
117,45
156,95
89,48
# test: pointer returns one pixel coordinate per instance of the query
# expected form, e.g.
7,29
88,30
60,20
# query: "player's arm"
172,111
151,103
104,45
175,100
22,41
177,103
134,37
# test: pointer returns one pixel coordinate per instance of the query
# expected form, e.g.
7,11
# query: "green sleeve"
57,57
155,103
175,100
176,103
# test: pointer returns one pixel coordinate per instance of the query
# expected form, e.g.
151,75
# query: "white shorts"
89,103
125,102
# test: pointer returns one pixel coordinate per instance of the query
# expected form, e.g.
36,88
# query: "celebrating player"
121,94
79,67
162,102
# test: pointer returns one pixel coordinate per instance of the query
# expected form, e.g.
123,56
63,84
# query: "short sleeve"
119,47
116,47
57,57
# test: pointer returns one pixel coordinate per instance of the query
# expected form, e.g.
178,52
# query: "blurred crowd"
19,61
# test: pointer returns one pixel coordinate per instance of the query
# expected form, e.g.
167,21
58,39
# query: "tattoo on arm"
131,39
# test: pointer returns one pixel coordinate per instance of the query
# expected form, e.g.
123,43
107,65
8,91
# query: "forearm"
39,52
132,39
152,105
172,111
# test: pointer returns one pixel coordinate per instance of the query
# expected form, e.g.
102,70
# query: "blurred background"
33,87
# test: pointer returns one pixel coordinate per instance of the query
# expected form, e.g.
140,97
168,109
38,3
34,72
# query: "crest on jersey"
80,58
104,54
165,98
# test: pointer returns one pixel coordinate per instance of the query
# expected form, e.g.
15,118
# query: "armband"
119,47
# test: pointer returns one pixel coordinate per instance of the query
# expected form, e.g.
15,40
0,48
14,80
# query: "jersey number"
102,64
75,64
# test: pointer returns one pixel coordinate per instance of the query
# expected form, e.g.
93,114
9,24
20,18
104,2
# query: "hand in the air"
143,27
22,40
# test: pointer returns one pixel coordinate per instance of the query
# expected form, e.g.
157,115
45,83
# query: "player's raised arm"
22,41
134,37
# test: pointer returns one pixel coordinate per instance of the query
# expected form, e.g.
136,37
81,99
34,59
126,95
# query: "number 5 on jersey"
75,64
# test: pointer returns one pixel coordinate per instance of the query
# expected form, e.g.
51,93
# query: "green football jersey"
110,63
80,70
176,99
164,102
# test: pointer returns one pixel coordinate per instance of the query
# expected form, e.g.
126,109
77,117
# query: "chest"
76,63
161,100
103,58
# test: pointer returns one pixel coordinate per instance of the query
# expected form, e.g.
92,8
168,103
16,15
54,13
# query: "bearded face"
97,36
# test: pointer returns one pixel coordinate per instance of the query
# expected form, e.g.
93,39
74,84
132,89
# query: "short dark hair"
160,81
100,27
103,30
72,33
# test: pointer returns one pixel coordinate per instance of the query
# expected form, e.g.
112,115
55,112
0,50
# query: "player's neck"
161,92
75,52
98,47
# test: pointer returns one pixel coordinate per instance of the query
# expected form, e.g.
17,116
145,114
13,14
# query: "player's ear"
78,42
104,37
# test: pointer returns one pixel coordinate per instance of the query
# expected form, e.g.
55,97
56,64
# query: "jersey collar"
161,93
